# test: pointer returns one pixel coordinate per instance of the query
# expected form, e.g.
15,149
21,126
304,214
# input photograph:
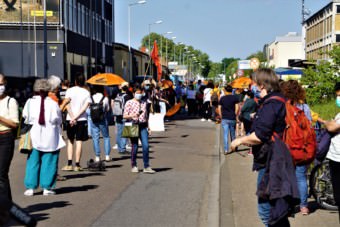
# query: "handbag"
25,142
130,130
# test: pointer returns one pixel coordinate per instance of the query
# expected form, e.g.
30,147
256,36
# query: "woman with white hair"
44,115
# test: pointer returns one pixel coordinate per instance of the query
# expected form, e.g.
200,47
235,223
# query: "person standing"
117,106
207,101
191,99
333,154
136,111
102,125
228,107
248,109
9,120
79,100
44,115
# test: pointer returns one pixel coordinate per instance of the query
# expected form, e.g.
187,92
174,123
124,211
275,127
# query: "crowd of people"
254,116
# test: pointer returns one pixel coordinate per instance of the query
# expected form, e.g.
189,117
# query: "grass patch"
326,111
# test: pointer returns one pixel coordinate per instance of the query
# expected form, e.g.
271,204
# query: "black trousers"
334,168
191,106
207,110
6,155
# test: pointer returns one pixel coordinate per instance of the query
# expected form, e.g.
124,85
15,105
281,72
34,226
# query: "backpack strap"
278,98
102,99
92,100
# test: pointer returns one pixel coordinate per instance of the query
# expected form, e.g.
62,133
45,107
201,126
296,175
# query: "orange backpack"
299,134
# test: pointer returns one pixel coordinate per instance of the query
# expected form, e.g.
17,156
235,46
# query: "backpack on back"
118,105
299,134
97,110
214,96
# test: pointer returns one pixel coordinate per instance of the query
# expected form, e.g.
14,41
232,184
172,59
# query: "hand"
149,131
73,122
252,115
235,143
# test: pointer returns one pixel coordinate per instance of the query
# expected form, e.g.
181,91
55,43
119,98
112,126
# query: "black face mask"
125,88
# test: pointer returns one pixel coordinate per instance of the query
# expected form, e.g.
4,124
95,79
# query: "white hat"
124,84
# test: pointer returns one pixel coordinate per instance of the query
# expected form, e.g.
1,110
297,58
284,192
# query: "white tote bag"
156,122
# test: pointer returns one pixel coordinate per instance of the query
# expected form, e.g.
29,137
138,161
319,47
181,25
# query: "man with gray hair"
54,82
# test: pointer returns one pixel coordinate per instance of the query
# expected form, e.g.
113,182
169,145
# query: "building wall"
280,52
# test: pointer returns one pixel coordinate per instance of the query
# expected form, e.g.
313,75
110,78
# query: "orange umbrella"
105,79
173,110
241,82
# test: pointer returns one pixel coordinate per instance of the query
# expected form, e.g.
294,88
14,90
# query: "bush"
327,110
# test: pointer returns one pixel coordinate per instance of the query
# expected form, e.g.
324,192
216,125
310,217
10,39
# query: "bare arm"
252,139
81,111
64,103
237,107
332,126
8,123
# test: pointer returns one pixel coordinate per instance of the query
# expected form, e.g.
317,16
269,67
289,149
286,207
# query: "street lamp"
129,30
173,38
157,22
164,34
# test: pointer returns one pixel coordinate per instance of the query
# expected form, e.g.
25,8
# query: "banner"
17,11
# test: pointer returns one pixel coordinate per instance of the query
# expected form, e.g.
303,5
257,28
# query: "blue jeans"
263,206
96,128
144,137
228,126
121,141
41,167
301,176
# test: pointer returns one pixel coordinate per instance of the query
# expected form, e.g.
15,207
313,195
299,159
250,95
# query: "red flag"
156,60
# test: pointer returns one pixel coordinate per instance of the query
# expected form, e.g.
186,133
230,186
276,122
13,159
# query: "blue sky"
220,28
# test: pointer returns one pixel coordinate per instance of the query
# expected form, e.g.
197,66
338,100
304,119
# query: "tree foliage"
259,54
320,80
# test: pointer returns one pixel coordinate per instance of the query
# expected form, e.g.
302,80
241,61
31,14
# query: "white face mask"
2,89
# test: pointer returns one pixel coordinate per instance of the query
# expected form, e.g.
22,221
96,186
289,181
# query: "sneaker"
67,168
48,192
29,192
77,169
304,210
209,120
149,170
61,178
203,119
128,147
134,169
97,159
107,158
115,147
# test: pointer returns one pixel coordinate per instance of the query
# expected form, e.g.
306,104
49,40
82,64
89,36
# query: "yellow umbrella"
106,79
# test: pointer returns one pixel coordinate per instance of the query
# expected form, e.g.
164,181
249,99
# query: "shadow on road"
43,207
113,166
162,169
82,175
83,188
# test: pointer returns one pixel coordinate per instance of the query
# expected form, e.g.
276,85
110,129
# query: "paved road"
177,195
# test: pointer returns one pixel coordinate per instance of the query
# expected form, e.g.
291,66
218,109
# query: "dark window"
338,9
338,38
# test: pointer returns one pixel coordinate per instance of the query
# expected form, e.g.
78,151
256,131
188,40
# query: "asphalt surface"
179,194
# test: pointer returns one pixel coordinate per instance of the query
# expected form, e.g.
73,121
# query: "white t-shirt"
334,149
79,97
8,110
97,97
207,95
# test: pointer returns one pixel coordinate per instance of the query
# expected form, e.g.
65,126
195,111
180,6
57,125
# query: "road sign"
254,63
40,13
240,72
244,64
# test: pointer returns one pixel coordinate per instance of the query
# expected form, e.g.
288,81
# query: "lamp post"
129,31
180,53
45,42
157,22
173,38
164,34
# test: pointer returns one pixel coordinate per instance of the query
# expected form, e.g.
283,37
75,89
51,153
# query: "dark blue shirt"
269,118
228,103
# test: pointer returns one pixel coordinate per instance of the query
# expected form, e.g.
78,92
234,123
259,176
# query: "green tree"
226,62
321,79
214,70
259,54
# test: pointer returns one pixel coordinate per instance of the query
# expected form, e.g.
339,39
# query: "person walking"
228,107
215,97
44,115
191,100
79,100
207,101
135,111
100,125
270,121
9,119
294,92
117,106
333,154
248,109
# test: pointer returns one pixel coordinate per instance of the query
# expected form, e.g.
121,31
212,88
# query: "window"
338,9
79,18
83,20
66,14
338,38
74,16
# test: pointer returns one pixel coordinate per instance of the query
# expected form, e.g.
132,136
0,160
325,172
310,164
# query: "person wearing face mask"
270,121
9,120
333,154
135,111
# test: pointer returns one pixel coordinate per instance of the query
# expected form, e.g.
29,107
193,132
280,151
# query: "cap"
124,84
